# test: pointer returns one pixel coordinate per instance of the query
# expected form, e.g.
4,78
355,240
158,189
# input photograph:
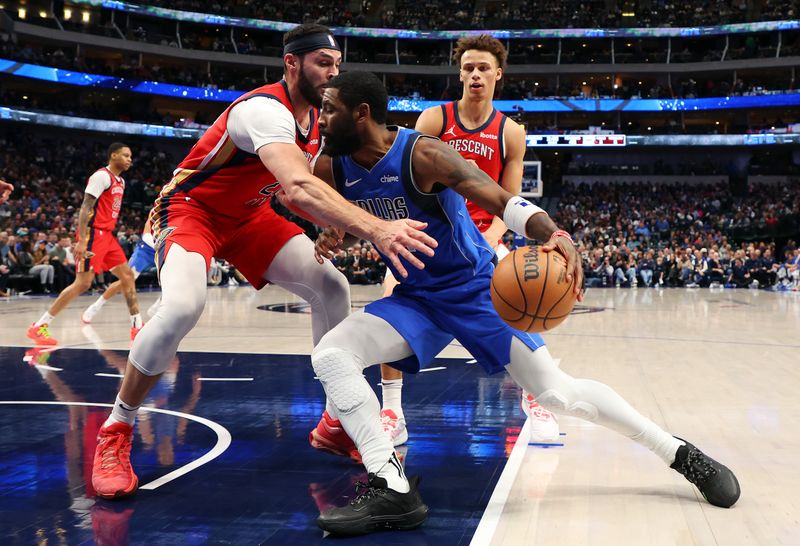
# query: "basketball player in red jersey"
496,145
97,249
217,205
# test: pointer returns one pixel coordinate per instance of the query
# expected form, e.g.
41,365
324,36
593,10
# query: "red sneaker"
41,335
134,331
112,473
329,436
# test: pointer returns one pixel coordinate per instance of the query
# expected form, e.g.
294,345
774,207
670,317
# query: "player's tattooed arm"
84,217
437,164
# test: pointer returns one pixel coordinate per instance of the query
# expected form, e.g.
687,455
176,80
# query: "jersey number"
266,191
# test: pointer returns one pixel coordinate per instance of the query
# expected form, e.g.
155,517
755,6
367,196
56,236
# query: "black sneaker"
376,508
715,481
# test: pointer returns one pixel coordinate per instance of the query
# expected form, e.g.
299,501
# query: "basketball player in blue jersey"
399,173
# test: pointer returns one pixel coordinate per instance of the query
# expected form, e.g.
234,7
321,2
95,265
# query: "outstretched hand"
400,238
564,246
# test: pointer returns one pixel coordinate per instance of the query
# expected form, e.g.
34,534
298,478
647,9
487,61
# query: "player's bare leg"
128,283
39,331
88,315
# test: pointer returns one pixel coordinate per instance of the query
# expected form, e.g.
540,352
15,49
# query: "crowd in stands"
683,235
628,234
37,227
452,14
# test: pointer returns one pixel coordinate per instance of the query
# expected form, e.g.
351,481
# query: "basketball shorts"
143,258
250,244
104,251
429,320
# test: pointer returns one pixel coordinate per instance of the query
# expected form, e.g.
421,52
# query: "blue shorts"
429,320
143,258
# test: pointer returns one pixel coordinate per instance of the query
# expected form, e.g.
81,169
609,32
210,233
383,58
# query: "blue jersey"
388,191
450,297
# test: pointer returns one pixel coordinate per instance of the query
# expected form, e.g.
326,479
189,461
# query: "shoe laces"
388,422
114,445
697,468
364,492
537,411
44,331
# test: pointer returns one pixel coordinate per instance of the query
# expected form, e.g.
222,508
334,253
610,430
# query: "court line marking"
109,375
494,509
223,436
224,378
48,368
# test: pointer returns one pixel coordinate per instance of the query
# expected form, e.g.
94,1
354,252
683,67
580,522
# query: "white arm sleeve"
259,121
98,183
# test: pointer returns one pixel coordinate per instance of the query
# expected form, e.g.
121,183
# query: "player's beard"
307,89
343,141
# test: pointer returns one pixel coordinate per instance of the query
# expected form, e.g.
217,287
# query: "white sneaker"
544,426
88,314
394,428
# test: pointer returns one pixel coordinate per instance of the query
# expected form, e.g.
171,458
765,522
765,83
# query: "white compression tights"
364,340
537,373
324,288
183,297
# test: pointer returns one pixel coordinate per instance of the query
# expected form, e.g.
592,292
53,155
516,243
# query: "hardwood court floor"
719,368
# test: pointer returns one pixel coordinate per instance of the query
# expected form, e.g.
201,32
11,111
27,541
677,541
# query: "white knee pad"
558,403
341,377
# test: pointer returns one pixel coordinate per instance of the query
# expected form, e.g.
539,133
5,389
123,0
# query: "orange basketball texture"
530,290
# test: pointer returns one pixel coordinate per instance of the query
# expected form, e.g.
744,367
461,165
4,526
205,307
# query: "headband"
310,42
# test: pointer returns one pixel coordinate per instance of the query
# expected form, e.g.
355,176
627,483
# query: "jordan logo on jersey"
451,131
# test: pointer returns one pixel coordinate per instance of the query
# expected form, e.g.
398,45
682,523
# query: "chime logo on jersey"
472,147
388,208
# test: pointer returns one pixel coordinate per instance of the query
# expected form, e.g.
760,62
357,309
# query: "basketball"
530,290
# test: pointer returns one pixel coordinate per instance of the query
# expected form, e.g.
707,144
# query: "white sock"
99,303
47,318
136,320
122,413
393,395
393,473
659,442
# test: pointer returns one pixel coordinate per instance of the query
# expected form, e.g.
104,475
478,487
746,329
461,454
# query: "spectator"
42,267
740,276
647,268
63,263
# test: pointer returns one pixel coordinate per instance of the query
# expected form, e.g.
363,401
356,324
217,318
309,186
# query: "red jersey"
225,179
484,145
109,203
